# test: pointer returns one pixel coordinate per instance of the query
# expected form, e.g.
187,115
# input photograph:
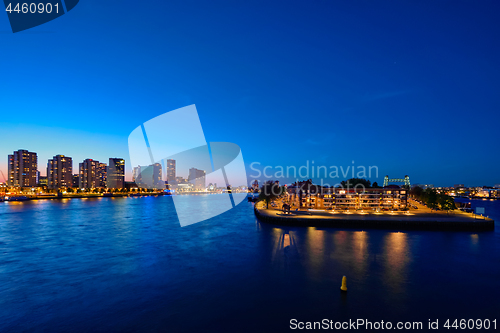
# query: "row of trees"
271,191
432,199
353,182
103,190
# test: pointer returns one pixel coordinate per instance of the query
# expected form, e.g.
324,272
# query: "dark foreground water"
124,264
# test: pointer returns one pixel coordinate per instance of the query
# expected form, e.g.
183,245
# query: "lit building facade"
60,172
116,173
88,174
180,180
23,167
102,175
149,176
369,199
76,181
197,178
42,181
171,171
136,171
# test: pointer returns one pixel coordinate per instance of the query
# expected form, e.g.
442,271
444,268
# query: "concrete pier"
420,220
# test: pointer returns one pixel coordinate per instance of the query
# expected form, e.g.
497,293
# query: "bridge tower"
405,180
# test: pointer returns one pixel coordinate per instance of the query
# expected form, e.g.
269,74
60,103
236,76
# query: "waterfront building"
131,186
485,192
180,180
158,181
197,178
60,172
22,169
391,197
171,171
149,176
88,174
424,186
42,181
136,171
116,173
185,187
76,181
102,175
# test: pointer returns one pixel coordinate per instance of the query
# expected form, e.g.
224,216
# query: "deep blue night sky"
408,86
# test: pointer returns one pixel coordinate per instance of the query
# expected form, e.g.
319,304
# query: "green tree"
269,192
353,182
431,199
416,192
446,202
375,185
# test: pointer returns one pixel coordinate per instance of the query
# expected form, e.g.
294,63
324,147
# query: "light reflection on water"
397,259
125,264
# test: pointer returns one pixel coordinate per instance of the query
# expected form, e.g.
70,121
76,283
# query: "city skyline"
374,83
24,171
170,169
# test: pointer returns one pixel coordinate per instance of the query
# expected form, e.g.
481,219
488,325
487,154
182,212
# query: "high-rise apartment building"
23,167
102,174
197,178
76,181
136,174
88,174
149,176
171,171
158,181
60,172
116,173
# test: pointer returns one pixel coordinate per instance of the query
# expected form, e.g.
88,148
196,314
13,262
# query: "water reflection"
315,251
360,252
474,239
396,260
284,249
125,264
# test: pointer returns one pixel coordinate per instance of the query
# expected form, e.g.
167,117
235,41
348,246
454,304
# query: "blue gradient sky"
412,88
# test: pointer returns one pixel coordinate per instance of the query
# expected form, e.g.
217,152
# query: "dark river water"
125,264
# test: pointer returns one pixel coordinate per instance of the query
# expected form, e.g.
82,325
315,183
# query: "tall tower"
101,174
88,173
23,167
171,171
136,171
158,176
116,173
60,172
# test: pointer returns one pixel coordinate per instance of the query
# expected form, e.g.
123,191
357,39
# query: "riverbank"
78,196
422,220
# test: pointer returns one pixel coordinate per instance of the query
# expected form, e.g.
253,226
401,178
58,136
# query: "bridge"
405,180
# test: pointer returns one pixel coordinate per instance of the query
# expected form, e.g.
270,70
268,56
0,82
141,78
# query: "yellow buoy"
344,284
